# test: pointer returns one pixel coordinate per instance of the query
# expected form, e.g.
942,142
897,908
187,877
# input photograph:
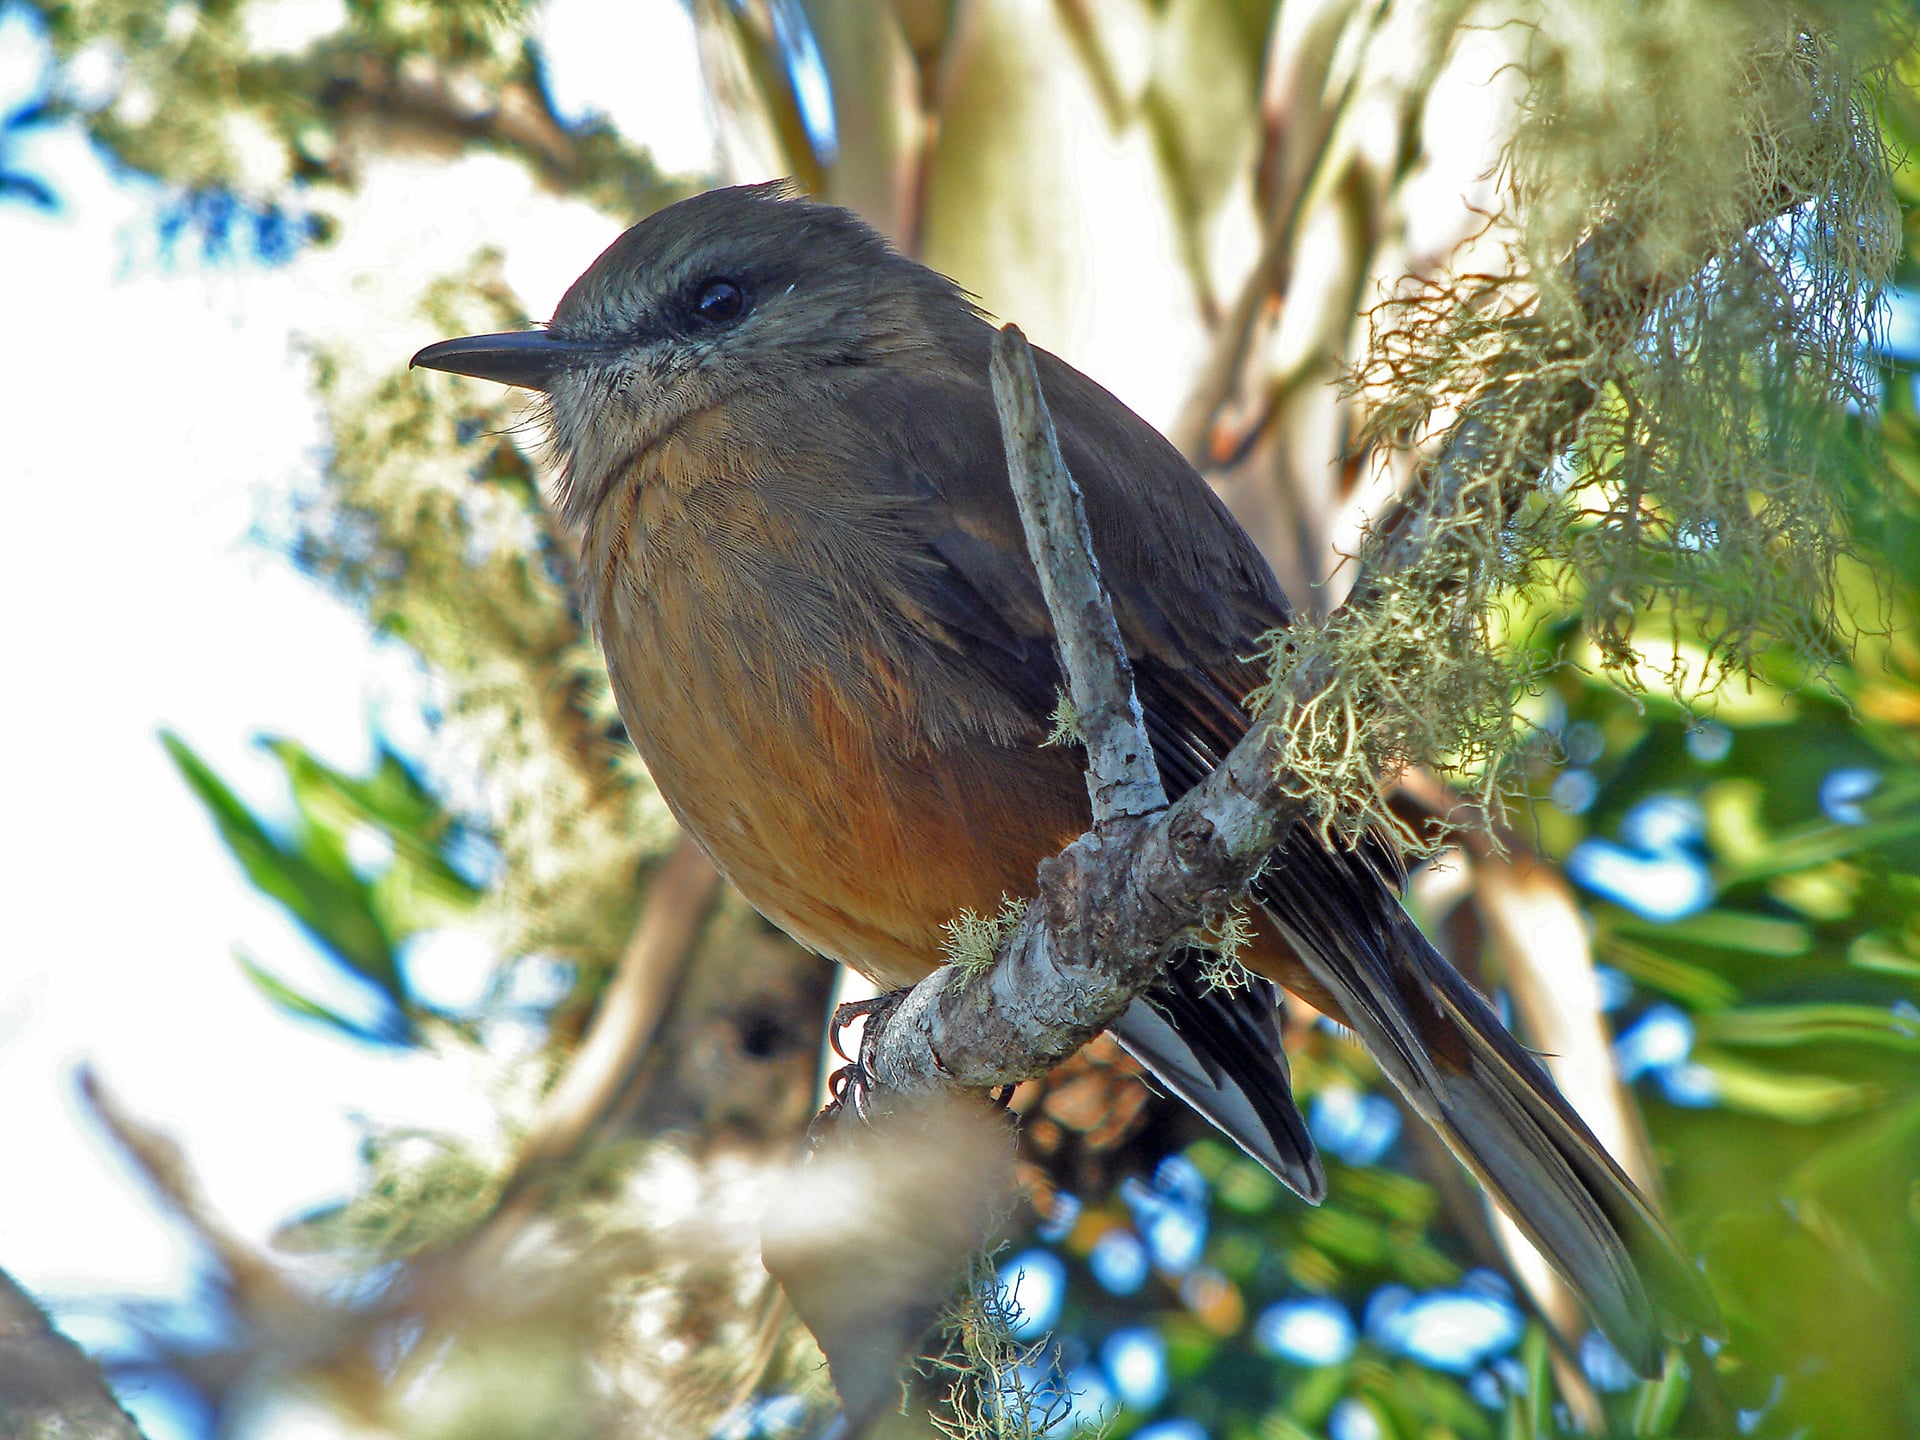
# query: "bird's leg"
850,1085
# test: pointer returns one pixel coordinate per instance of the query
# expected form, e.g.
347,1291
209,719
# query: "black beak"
529,358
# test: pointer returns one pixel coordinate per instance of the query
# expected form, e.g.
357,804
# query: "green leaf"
1698,989
1875,952
305,1007
1350,1238
1316,1393
1446,1401
1276,1426
1893,815
1800,1099
420,889
1389,1193
1816,1024
1881,1147
1536,1416
1657,1403
305,875
1723,930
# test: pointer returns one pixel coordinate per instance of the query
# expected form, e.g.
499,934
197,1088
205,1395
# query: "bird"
775,436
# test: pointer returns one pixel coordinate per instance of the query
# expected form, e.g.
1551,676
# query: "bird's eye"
718,302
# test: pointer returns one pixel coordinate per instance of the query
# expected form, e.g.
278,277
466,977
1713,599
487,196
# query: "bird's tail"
1442,1046
1218,1049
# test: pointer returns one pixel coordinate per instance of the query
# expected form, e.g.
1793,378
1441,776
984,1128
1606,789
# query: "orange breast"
797,750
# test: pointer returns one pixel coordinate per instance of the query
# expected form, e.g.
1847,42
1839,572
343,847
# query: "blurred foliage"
1199,200
24,118
360,921
220,97
432,521
1760,927
1709,439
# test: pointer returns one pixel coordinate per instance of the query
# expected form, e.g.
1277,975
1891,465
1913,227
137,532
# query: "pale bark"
49,1388
1115,904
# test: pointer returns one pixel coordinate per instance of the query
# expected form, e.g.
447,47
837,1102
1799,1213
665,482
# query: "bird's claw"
851,1086
845,1015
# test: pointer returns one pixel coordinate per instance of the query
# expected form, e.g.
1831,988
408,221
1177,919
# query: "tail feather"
1219,1050
1442,1046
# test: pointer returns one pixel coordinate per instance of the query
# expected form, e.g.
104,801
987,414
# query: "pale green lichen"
1224,938
974,939
1671,472
991,1392
1065,728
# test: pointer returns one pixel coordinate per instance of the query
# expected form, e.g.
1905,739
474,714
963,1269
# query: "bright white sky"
157,416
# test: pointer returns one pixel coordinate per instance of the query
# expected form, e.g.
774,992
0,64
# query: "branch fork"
1110,909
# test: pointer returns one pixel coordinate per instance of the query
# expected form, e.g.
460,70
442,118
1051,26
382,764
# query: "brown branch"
257,1282
678,904
1220,373
1297,120
283,1318
440,1286
440,102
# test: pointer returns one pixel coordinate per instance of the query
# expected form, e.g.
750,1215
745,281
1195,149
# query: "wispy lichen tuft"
973,939
1661,397
1066,724
1225,937
998,1386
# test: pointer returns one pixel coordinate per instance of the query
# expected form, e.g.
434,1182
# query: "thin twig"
439,1287
678,904
258,1283
1122,778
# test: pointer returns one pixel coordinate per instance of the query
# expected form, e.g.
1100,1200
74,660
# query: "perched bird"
777,438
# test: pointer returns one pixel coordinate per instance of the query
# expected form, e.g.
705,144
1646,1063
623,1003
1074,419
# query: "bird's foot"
845,1015
851,1085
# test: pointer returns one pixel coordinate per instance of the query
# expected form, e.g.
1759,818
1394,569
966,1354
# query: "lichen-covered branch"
1111,907
1647,417
1122,778
1117,900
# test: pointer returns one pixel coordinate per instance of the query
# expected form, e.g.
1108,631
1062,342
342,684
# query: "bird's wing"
1193,597
1219,1050
971,589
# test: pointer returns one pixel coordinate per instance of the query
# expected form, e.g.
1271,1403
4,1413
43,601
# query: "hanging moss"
987,1370
1650,410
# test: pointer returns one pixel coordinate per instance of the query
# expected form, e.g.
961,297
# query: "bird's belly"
836,814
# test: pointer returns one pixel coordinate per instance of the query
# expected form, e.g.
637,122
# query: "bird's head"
727,294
